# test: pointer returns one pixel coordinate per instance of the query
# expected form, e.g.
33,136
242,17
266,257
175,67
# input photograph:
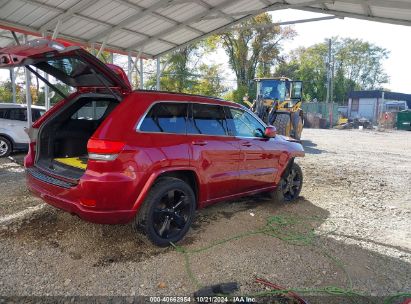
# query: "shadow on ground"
309,147
110,244
290,254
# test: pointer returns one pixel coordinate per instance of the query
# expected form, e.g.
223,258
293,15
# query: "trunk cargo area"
62,139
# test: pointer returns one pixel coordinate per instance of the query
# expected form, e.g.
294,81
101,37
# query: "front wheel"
5,147
167,212
290,185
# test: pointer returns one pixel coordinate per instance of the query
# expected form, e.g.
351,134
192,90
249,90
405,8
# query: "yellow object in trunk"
76,162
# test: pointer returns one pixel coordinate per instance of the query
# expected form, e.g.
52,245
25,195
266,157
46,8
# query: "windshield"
273,89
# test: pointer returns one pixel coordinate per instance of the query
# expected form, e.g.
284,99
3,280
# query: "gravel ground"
350,229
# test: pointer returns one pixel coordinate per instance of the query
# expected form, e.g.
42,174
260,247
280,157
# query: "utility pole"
328,65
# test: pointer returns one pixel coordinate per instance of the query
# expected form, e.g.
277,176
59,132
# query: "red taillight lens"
100,146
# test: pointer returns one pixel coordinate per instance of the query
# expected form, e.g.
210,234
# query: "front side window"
245,124
208,119
166,117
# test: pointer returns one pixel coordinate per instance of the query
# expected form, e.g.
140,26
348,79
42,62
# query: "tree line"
255,49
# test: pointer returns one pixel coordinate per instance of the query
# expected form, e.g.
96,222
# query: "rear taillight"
29,158
32,133
99,149
31,155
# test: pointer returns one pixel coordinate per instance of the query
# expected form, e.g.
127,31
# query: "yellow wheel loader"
278,103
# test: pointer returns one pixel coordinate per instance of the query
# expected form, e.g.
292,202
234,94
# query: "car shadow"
299,252
310,147
109,244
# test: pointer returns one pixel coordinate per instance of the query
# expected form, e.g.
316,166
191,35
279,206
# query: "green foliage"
357,66
239,93
253,49
183,72
209,83
65,89
6,93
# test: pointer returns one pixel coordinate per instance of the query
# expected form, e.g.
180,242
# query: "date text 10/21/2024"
216,299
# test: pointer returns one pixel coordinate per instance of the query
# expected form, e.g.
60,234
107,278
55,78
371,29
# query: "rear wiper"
46,82
105,85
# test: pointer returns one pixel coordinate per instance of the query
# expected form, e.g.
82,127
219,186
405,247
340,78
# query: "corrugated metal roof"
154,27
378,94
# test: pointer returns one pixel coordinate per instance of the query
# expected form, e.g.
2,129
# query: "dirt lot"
350,229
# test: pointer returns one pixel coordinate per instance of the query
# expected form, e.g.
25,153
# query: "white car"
13,124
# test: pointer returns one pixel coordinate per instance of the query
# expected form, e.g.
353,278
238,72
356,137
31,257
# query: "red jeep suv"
112,155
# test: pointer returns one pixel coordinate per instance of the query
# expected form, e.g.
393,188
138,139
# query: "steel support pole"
141,74
129,67
158,74
93,49
28,98
28,93
13,85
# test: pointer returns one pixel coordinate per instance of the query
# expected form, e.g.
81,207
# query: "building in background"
371,104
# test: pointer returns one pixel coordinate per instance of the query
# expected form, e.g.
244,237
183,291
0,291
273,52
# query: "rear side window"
3,113
166,117
92,110
20,114
17,114
208,119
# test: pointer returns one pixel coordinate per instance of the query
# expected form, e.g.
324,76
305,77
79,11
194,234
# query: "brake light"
32,133
99,149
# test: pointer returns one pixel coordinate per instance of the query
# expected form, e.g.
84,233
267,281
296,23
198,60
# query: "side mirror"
270,132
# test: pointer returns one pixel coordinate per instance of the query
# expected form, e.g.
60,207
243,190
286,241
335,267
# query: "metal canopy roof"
154,27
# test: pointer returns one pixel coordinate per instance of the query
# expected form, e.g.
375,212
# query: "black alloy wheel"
167,212
291,184
171,214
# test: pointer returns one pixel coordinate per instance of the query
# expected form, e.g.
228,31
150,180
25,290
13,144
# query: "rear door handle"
199,143
247,144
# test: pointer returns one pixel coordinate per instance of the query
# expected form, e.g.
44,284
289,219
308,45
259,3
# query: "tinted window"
245,124
166,117
74,71
3,113
92,110
20,114
208,119
36,114
17,114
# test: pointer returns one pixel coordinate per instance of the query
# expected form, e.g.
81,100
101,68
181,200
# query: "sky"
394,38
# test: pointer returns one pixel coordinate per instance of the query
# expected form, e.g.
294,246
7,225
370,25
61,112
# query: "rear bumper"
60,198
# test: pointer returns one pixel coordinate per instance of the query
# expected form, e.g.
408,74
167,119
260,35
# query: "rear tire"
290,185
282,123
5,147
167,212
